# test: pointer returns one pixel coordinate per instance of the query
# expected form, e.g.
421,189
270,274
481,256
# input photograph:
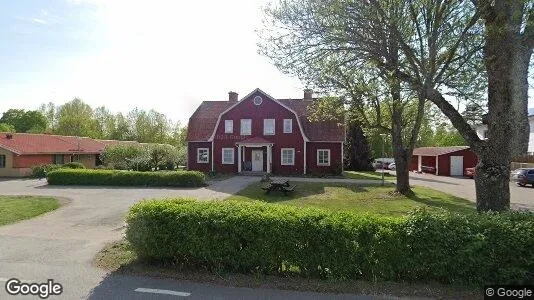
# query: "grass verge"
358,198
18,208
118,257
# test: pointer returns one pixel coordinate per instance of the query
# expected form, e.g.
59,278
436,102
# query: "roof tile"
437,151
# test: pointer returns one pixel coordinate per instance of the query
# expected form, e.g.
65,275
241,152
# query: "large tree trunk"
507,68
402,170
492,182
519,80
506,56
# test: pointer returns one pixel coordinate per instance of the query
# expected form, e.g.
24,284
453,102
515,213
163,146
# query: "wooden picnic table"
279,185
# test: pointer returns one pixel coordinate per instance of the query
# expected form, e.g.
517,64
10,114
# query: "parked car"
469,172
523,176
392,166
428,169
382,163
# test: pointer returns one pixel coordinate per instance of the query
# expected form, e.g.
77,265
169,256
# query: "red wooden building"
445,161
19,152
261,134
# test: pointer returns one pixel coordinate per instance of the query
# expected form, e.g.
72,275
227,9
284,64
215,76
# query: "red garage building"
445,161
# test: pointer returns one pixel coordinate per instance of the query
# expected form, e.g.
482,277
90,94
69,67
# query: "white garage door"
457,165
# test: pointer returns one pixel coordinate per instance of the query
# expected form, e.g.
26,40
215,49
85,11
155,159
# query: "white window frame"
233,154
228,126
323,164
290,122
245,121
207,156
282,156
267,121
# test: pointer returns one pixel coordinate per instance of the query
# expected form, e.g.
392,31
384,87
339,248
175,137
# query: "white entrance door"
257,160
457,165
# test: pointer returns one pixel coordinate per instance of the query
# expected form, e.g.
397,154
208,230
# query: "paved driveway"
520,197
61,245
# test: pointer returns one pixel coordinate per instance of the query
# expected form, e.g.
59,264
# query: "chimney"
9,136
308,94
232,96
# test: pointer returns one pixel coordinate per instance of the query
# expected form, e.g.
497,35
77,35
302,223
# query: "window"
323,157
246,126
288,156
2,161
288,125
228,156
228,126
203,155
258,100
268,126
58,159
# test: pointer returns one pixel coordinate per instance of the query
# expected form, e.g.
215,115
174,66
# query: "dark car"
523,176
469,172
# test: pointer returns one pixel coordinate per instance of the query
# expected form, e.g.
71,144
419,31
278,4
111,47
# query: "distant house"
262,134
20,151
445,161
482,132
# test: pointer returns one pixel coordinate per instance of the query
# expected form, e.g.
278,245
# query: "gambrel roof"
204,120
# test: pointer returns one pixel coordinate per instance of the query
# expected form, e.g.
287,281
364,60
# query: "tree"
76,118
443,48
447,136
4,127
49,111
25,121
106,123
433,51
474,113
324,43
357,152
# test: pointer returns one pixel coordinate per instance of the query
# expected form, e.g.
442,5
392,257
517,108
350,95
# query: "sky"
163,55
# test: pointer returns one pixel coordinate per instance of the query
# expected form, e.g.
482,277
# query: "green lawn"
369,175
358,198
17,208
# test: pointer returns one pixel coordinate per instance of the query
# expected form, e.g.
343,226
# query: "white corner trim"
212,160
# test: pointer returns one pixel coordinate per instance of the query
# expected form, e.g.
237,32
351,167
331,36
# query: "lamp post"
383,155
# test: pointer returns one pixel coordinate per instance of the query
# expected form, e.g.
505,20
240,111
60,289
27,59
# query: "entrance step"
252,173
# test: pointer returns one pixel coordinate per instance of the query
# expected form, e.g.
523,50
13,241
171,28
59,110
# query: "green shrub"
74,165
125,178
40,171
266,238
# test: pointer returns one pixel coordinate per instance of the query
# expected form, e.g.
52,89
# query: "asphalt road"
61,245
520,197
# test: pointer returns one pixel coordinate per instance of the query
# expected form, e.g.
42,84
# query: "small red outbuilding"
445,161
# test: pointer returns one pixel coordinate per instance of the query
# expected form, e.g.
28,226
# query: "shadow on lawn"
303,190
459,204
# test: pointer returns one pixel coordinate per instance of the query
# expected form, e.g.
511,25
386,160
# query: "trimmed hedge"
125,178
266,238
40,171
